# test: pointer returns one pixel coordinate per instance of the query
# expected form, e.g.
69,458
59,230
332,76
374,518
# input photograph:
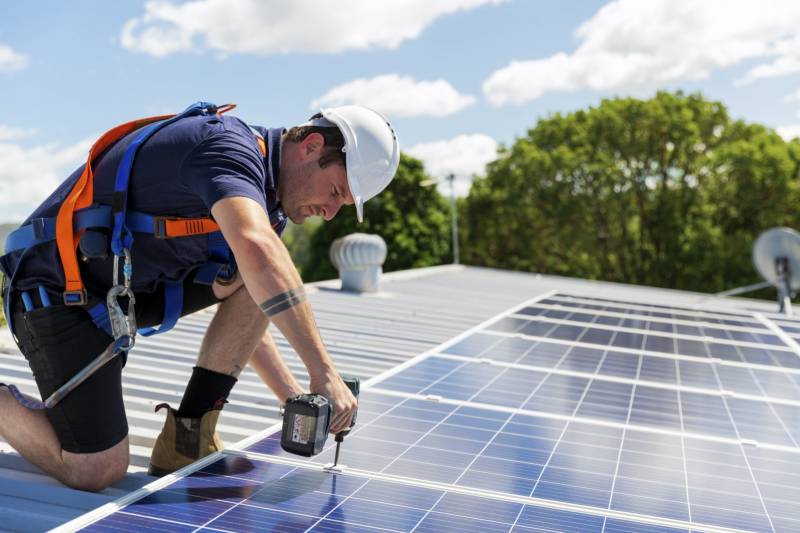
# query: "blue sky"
455,77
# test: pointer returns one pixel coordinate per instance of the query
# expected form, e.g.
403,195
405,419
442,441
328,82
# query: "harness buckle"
168,227
160,227
75,297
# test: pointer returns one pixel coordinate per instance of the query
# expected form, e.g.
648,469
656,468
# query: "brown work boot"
184,440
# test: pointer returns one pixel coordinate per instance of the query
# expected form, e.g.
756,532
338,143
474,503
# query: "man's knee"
96,471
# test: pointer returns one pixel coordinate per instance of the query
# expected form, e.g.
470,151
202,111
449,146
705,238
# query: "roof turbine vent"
359,258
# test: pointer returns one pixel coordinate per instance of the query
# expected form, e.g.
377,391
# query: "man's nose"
331,210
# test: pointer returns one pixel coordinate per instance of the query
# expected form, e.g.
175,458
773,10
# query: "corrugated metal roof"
365,333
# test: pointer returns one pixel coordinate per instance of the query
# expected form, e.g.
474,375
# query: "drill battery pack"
306,421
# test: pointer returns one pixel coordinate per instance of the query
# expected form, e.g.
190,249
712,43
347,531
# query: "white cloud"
253,26
11,61
789,132
792,97
29,175
397,96
786,53
464,156
7,133
630,43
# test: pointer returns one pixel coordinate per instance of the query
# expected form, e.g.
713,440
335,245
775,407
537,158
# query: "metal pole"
784,287
454,216
746,288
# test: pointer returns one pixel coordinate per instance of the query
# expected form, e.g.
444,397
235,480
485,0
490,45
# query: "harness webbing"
80,197
77,212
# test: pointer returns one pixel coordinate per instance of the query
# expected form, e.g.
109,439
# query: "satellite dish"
776,256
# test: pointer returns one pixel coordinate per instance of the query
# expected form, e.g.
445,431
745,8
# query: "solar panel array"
567,414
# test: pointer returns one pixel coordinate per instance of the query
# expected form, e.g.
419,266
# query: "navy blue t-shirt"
181,171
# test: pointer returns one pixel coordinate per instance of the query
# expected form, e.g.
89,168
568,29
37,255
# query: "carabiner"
121,324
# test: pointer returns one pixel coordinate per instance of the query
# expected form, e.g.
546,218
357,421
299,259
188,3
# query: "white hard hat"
371,150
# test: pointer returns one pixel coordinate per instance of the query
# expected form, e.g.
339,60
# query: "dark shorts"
58,341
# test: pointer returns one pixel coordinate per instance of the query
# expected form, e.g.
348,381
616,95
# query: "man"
249,180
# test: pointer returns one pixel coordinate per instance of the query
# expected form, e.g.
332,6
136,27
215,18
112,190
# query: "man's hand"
344,403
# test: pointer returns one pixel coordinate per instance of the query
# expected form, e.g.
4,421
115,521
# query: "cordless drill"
307,419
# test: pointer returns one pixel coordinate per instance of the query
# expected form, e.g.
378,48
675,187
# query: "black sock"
204,390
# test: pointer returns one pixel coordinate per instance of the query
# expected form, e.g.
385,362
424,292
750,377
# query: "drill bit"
339,439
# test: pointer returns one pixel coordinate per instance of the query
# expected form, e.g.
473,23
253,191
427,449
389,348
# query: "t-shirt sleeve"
225,165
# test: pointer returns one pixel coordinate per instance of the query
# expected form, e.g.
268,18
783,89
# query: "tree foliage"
412,219
668,192
297,238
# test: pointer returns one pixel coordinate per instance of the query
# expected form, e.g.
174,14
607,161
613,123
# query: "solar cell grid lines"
568,413
666,310
621,322
591,334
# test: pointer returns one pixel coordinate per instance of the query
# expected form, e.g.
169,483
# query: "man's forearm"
266,360
275,290
271,278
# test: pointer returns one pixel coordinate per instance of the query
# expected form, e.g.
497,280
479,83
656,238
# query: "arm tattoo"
283,301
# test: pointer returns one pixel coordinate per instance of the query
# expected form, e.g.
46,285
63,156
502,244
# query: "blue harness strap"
220,261
42,230
173,305
99,314
27,301
121,236
44,297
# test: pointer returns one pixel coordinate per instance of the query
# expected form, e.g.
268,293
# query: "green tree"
412,219
297,238
668,191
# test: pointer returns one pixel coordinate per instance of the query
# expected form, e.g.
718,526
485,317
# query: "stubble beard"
292,196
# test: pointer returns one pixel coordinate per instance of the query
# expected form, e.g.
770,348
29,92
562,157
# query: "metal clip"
121,324
123,327
127,269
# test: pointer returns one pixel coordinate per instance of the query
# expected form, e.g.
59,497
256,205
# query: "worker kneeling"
171,215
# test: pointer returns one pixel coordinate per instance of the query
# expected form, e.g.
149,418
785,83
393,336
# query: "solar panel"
554,417
242,494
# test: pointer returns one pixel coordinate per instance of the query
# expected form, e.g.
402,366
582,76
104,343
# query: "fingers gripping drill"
307,419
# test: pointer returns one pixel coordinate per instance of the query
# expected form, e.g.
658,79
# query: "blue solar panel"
666,310
763,336
768,355
629,470
708,414
542,421
769,381
240,494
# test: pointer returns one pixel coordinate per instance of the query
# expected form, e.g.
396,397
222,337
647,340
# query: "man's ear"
313,143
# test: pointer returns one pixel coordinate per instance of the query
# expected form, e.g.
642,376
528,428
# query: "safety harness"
79,216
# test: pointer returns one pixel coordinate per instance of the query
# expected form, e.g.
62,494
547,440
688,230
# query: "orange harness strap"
82,195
